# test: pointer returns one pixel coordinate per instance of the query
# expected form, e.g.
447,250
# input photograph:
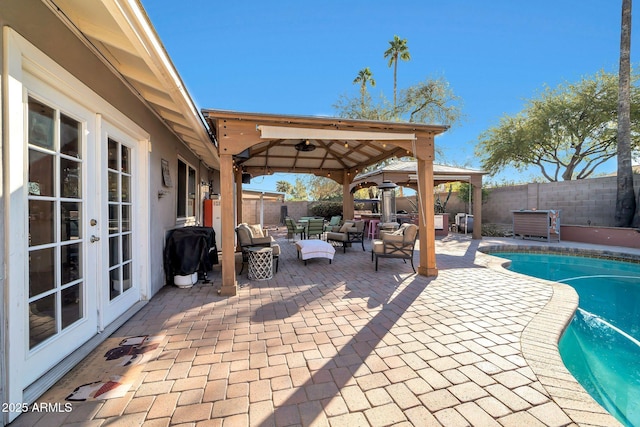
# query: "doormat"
109,371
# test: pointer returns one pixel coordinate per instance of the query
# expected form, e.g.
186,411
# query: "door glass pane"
41,124
125,153
113,187
70,178
42,319
69,136
41,222
126,277
71,304
70,221
126,247
126,189
114,251
115,283
41,271
126,218
112,155
114,219
41,173
71,263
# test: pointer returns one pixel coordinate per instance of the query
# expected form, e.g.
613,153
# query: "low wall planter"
609,236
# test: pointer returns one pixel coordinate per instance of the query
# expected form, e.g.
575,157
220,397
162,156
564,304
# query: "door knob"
94,239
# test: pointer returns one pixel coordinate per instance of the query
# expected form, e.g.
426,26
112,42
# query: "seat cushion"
256,230
377,246
276,249
244,234
341,237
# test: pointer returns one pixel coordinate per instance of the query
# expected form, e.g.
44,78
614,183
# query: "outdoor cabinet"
537,224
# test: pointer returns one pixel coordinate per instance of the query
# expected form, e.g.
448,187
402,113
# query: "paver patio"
342,345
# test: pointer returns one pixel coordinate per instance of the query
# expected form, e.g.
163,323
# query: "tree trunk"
636,218
625,196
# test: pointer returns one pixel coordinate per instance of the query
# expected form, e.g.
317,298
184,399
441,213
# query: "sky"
298,57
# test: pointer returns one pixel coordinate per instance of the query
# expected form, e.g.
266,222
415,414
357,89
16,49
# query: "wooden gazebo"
261,144
404,173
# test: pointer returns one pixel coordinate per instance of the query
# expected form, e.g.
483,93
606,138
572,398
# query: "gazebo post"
229,284
427,237
238,181
476,183
347,197
424,153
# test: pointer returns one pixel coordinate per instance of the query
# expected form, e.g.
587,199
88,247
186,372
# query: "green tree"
566,132
398,49
431,101
284,187
299,190
364,76
625,195
321,188
296,191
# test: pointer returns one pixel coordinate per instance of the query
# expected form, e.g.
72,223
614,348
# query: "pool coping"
540,338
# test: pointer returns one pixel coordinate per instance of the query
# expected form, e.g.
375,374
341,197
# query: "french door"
63,233
80,210
77,234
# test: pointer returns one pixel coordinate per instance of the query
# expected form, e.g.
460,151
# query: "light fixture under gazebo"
305,146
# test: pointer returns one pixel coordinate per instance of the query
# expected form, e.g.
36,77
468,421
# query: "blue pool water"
601,346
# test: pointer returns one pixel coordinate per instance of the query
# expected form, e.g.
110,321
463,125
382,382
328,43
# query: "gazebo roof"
324,146
403,173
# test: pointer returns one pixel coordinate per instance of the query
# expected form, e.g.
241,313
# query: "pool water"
601,346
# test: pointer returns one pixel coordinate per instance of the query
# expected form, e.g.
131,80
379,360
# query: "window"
186,190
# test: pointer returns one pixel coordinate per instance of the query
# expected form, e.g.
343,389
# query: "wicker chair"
398,244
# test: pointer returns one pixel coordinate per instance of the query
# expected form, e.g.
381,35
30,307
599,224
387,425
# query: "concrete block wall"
582,202
271,215
503,200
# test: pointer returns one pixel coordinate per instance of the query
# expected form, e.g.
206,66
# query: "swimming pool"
601,346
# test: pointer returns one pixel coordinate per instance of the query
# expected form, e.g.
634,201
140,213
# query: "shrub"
326,209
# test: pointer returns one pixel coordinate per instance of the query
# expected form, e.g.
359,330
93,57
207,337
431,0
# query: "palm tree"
398,49
625,196
364,76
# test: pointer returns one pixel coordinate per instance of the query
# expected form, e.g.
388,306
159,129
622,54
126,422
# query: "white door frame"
20,60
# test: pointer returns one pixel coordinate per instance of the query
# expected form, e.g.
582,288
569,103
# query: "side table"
260,263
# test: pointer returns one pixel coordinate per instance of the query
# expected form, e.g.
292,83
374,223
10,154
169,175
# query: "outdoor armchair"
293,228
250,236
315,227
398,244
350,232
334,221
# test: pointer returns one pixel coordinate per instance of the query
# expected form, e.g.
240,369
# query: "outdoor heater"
388,202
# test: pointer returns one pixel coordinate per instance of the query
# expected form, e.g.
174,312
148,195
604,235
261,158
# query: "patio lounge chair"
350,232
398,244
315,227
293,228
251,236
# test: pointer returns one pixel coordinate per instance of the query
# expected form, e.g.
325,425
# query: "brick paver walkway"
341,345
